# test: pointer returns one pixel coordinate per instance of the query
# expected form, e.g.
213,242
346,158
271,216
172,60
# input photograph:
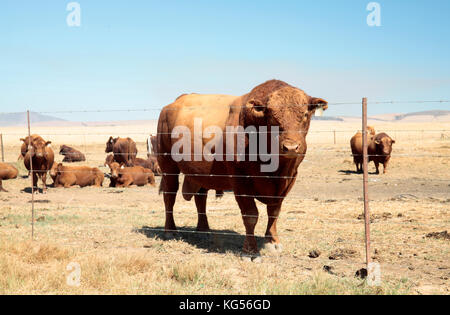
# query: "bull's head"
385,145
37,147
110,145
276,103
63,149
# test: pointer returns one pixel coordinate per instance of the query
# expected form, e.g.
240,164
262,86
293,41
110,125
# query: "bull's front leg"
249,212
272,240
35,182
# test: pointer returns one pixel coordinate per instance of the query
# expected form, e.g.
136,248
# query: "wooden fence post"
365,183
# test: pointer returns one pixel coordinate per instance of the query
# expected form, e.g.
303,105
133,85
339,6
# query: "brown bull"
127,176
7,172
124,150
272,104
380,150
357,147
83,176
71,155
41,157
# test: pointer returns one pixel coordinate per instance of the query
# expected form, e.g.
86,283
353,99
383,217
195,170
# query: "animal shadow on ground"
350,172
214,241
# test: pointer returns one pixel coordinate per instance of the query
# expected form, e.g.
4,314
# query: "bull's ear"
315,103
256,107
48,143
393,141
22,139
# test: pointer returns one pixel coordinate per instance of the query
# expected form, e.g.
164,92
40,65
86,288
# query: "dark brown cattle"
357,147
42,158
272,104
380,150
126,176
109,159
124,150
7,172
71,155
83,176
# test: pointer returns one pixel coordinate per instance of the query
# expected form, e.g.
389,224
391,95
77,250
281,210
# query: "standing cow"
124,150
42,157
357,147
7,172
272,104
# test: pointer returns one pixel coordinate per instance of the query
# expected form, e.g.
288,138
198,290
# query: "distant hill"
434,113
328,118
20,119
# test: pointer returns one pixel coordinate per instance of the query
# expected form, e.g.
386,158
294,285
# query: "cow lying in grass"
124,177
83,176
7,172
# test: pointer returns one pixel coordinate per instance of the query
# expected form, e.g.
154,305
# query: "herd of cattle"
125,168
271,104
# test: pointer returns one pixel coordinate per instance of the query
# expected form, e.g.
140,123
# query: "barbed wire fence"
367,241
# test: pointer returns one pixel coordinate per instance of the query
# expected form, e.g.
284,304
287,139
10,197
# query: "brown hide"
124,150
128,176
7,172
71,155
83,176
42,158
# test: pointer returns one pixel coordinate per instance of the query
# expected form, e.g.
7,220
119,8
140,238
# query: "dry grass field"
115,234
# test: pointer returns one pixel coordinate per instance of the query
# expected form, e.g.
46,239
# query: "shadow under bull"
214,241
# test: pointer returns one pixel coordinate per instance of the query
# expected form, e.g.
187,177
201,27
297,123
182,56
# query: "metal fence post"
32,177
365,183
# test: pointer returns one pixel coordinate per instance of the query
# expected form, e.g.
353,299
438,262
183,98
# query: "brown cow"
71,155
109,159
380,150
357,147
42,158
151,163
124,150
272,104
83,176
7,172
126,176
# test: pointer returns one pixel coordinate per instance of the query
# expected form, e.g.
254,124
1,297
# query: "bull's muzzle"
290,149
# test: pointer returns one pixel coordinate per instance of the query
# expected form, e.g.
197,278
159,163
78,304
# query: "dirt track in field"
121,228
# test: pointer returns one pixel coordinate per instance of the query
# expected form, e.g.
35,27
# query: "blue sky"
143,54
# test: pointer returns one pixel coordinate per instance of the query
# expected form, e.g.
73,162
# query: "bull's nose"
290,147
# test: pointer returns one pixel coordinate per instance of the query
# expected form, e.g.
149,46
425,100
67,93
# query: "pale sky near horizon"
143,54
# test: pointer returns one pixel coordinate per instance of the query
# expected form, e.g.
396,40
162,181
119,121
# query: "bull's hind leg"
169,187
273,242
249,212
200,202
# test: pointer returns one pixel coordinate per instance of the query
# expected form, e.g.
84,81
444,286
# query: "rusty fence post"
3,152
365,185
32,177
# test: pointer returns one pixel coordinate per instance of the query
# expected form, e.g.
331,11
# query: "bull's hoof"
273,248
254,258
168,236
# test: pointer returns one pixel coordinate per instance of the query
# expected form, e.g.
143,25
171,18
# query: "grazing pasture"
115,234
